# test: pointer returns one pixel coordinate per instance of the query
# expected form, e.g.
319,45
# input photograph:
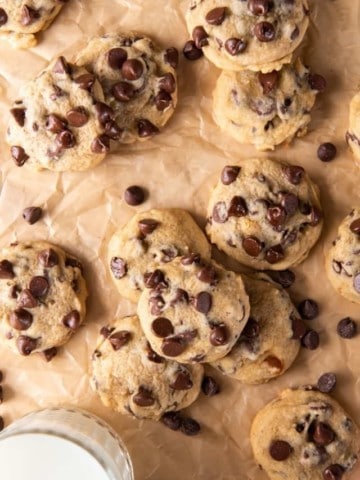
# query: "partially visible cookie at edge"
353,133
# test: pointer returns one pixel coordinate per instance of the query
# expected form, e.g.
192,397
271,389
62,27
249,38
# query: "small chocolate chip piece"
294,174
355,226
85,81
308,309
162,100
252,246
216,16
191,52
20,319
310,340
208,275
251,329
264,31
28,15
50,353
346,328
323,434
77,117
172,420
119,339
32,214
55,124
276,216
229,174
333,472
299,328
289,202
316,82
167,83
327,382
326,152
190,427
19,115
3,17
26,345
146,128
274,254
268,81
147,225
234,46
171,57
284,277
123,91
72,320
18,155
100,144
182,381
315,216
6,270
238,207
209,386
61,66
190,259
356,282
27,299
153,356
173,347
106,331
260,7
200,37
162,327
280,450
39,286
65,139
219,335
134,195
220,213
49,258
143,398
116,58
118,267
203,302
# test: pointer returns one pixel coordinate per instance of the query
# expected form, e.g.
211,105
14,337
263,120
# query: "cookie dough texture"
265,109
238,35
42,294
353,134
266,347
21,19
131,379
55,124
147,242
265,214
193,311
343,260
308,433
139,82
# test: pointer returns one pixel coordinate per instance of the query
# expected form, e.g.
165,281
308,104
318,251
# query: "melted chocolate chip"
191,52
116,58
118,267
6,270
123,91
252,329
209,386
234,46
65,139
276,216
289,202
299,328
49,354
3,17
182,381
162,100
19,115
203,302
229,174
200,37
268,81
316,82
147,225
20,319
323,434
72,320
143,398
167,83
238,207
85,81
252,246
153,356
28,15
280,450
55,124
294,174
220,213
274,254
61,66
77,117
260,7
146,128
355,226
19,155
219,335
38,286
171,57
154,279
48,258
27,300
132,69
162,327
208,275
104,113
284,277
264,31
100,144
190,259
26,345
327,382
119,339
333,472
216,16
173,347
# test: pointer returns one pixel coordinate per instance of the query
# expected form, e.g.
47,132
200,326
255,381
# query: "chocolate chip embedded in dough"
280,450
203,302
116,58
327,382
200,37
173,347
167,83
295,33
119,339
237,207
310,340
346,328
326,152
19,115
143,398
27,299
49,354
77,117
251,329
113,131
3,17
234,46
289,202
85,81
216,16
260,7
219,335
134,195
308,309
20,319
61,66
146,128
294,174
229,174
171,57
209,386
315,216
274,254
162,100
316,82
123,91
162,327
72,320
252,246
100,144
182,381
32,214
356,282
104,113
153,356
273,363
6,270
190,427
276,216
355,226
190,259
55,124
74,263
208,274
154,279
26,345
65,139
132,69
28,15
118,267
191,52
333,472
265,31
322,434
148,225
19,155
39,286
220,212
268,81
49,258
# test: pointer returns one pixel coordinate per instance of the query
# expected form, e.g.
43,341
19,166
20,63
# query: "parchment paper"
179,168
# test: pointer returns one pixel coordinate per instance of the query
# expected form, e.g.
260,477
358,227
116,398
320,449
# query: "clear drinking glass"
63,443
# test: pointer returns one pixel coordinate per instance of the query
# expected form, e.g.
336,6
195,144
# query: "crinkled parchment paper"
178,168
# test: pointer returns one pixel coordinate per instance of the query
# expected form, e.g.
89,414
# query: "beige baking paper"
179,168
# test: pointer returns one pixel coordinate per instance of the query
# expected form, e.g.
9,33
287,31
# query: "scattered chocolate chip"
190,259
49,258
234,46
162,327
276,216
326,152
252,246
310,340
38,286
203,302
118,267
216,16
85,81
134,195
123,91
252,329
147,225
32,214
316,82
77,117
49,354
26,345
143,398
100,144
280,450
3,17
284,277
299,328
29,15
132,69
274,254
119,339
20,319
6,270
327,382
260,7
61,66
27,300
208,275
355,226
346,328
19,155
171,420
220,213
219,335
333,472
238,207
162,100
167,83
200,37
229,174
182,381
264,31
294,174
146,128
268,81
19,115
191,52
116,58
209,386
190,427
289,202
72,320
308,309
173,347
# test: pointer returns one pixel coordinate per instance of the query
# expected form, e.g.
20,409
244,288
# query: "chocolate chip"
280,450
252,329
132,69
19,115
26,345
299,328
268,81
1,376
104,113
171,57
190,259
171,420
333,472
264,31
229,174
49,354
346,328
260,7
6,270
3,17
49,258
167,83
39,286
106,331
356,282
112,130
274,254
209,386
119,339
143,398
85,81
315,216
316,82
191,52
100,144
19,155
326,152
55,124
162,327
146,128
123,91
276,216
32,214
252,246
182,381
154,279
284,277
190,427
295,33
308,309
234,46
134,195
219,335
203,302
327,382
208,275
310,340
28,15
355,226
74,263
116,58
173,347
274,363
323,434
238,207
77,117
118,267
61,66
289,202
14,291
220,213
20,319
72,320
216,16
294,174
147,225
27,300
162,100
65,139
153,356
200,37
180,296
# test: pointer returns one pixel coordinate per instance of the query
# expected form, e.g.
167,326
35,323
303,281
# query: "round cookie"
305,434
148,241
193,311
130,378
42,294
55,124
269,343
353,134
255,35
139,82
21,19
343,261
266,109
265,214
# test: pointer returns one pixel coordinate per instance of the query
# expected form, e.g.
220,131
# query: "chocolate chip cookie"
55,122
20,20
343,260
192,311
131,378
353,134
139,82
266,109
147,242
43,296
305,434
265,214
269,343
255,35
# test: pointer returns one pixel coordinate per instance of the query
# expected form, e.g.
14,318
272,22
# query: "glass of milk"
62,444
